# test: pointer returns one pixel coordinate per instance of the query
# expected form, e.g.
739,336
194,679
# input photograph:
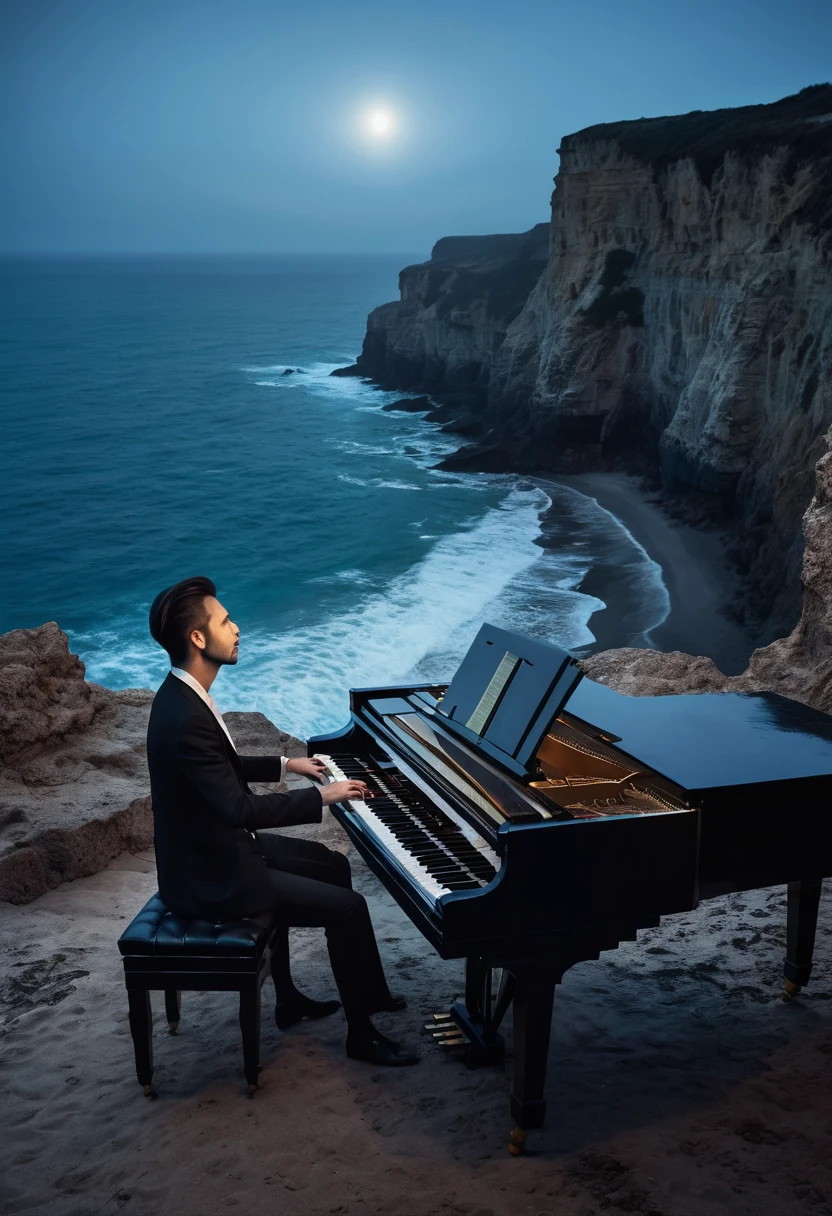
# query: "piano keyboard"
414,831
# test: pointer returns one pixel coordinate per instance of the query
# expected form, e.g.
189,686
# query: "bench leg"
250,1026
141,1028
173,1004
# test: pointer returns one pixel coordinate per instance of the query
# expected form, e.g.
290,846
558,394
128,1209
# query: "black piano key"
432,858
439,846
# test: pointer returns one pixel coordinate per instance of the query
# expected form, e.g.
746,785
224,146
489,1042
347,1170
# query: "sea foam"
418,624
301,678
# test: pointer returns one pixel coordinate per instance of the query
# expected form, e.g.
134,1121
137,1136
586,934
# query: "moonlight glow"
380,124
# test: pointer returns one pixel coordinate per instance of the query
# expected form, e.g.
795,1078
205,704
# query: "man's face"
221,635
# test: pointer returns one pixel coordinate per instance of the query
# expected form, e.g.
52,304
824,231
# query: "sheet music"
496,687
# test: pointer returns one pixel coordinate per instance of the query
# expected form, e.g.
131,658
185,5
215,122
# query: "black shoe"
377,1049
286,1013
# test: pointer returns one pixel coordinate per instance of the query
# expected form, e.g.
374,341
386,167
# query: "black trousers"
313,888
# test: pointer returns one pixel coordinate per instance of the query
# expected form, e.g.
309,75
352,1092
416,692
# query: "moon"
380,123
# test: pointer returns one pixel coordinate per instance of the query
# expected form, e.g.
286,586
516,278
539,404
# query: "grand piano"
526,818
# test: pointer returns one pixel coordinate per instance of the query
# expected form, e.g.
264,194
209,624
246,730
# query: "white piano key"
470,834
392,846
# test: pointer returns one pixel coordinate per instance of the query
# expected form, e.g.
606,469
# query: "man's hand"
309,768
344,791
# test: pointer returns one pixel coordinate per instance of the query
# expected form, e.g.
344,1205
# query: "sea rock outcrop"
74,788
682,325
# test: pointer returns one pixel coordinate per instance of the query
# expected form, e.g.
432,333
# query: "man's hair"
176,612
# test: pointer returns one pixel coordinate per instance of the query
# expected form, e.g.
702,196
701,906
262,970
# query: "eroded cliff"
681,327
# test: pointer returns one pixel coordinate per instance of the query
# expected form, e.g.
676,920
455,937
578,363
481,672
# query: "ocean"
151,432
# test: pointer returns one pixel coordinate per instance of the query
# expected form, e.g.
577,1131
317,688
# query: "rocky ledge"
74,789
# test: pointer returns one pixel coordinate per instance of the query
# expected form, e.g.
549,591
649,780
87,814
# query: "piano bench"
161,951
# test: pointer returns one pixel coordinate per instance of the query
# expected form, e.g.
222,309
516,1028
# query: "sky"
190,126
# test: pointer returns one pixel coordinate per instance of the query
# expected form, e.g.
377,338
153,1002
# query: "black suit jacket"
208,862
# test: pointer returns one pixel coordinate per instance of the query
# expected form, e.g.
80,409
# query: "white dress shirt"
187,678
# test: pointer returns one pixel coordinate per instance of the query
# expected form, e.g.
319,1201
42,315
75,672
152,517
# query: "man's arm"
200,756
263,768
275,768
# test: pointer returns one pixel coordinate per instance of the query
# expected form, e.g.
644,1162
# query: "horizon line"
199,253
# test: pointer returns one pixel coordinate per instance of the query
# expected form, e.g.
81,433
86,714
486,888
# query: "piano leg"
534,996
802,919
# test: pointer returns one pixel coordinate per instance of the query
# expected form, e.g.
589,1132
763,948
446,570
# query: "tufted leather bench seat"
164,952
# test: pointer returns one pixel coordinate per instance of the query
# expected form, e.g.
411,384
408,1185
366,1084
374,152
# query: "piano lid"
705,741
506,692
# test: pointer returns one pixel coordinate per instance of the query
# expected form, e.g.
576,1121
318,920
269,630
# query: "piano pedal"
450,1032
445,1032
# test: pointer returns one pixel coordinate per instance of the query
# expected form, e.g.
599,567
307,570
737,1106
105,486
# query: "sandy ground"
699,581
680,1084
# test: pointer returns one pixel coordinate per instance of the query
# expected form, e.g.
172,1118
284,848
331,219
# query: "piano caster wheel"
252,1090
173,1028
517,1142
790,990
149,1093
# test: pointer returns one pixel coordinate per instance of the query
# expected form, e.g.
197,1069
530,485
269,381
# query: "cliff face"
682,324
454,313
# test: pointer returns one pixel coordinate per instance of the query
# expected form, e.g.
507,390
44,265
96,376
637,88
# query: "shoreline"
695,571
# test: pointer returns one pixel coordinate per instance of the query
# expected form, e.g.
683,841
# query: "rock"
798,666
650,673
43,694
74,787
84,846
682,325
454,314
290,371
478,457
255,735
352,370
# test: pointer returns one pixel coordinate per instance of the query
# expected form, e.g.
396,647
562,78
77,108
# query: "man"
210,859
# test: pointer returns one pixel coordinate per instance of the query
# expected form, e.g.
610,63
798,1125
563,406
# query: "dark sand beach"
698,578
